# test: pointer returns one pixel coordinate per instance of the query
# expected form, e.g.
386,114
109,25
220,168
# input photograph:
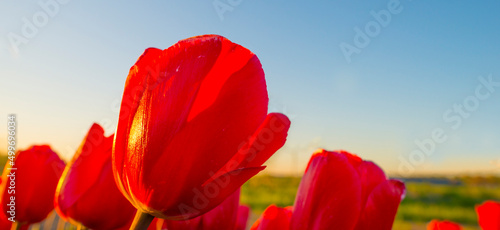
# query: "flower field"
430,198
450,198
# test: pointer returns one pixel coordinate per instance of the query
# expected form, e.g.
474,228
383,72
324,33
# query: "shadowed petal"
381,206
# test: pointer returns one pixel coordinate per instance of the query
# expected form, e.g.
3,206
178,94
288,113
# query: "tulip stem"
142,221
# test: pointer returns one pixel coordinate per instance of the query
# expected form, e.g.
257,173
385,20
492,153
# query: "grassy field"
427,198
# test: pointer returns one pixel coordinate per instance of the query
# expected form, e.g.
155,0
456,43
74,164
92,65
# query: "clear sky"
372,78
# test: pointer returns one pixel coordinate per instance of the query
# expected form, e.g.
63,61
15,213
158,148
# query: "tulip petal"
371,176
101,210
224,216
243,215
86,168
202,199
443,225
87,193
328,195
489,215
381,206
273,218
268,138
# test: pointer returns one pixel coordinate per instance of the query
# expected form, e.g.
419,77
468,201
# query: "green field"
427,198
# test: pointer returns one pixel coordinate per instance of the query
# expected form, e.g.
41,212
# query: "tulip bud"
87,193
488,214
28,186
193,127
339,190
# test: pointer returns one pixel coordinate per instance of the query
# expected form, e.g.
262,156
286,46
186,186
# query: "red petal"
354,159
84,169
443,225
202,199
192,224
273,218
225,215
329,194
37,174
371,176
489,215
268,138
87,192
243,215
103,206
381,206
5,224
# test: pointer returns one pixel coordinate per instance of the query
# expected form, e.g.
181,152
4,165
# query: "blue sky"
427,58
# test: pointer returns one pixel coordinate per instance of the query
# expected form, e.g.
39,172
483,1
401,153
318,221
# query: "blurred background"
411,85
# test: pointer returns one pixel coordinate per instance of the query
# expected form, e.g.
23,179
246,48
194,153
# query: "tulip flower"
443,225
224,216
87,193
193,127
339,190
488,214
273,218
33,178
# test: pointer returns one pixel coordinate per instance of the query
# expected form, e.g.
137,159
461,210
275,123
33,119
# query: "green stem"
141,221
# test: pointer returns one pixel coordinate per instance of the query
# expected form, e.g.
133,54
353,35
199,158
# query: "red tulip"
193,127
341,191
243,214
87,193
488,214
224,216
36,171
5,224
273,218
443,225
